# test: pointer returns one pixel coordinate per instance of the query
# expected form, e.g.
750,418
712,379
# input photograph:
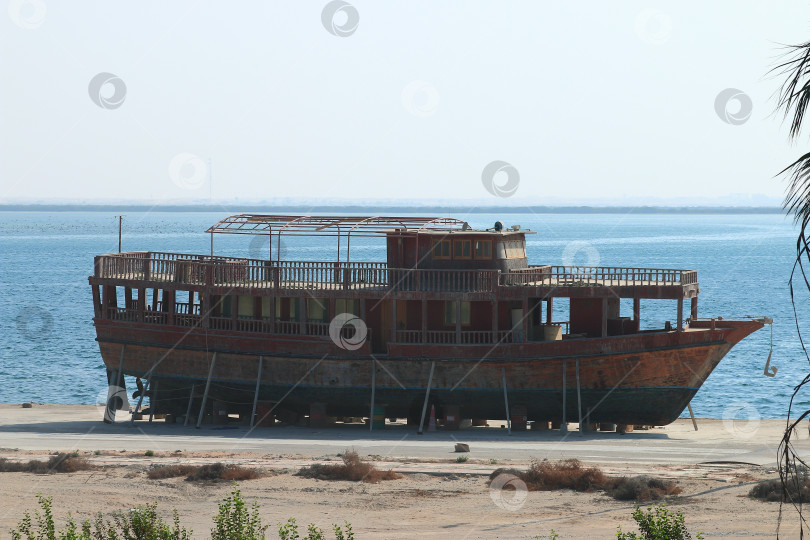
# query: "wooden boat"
455,318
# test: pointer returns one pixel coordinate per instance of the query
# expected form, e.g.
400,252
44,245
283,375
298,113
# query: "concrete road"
78,427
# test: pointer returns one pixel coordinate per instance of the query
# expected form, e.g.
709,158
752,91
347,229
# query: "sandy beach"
437,497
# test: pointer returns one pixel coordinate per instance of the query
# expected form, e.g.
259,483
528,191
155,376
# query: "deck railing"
291,275
449,337
597,275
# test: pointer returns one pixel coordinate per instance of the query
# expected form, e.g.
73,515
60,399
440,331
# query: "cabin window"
317,310
441,249
483,249
347,306
245,307
267,307
450,313
461,249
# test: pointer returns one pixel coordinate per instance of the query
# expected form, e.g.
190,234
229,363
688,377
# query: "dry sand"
437,498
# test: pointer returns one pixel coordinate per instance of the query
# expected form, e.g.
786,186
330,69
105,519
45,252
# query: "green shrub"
235,522
462,459
658,523
142,523
343,534
149,453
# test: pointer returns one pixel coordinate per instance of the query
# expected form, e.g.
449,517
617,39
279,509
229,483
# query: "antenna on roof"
120,223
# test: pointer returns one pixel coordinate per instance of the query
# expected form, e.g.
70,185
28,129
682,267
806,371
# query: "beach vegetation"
658,523
353,468
571,474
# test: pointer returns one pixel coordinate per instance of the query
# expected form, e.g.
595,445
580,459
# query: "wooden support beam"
636,308
579,400
564,423
153,400
458,322
494,321
190,401
549,310
524,323
373,390
302,315
680,315
256,392
424,320
693,310
168,300
604,316
506,402
141,303
427,397
394,318
234,299
205,393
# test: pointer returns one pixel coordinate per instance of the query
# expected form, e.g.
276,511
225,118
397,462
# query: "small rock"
461,447
28,405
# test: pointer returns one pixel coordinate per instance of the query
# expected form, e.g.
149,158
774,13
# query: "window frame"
487,256
442,243
462,242
450,313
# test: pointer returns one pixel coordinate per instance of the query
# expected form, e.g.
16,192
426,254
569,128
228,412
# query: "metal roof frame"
264,224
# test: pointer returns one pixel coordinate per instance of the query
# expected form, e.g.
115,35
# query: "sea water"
48,351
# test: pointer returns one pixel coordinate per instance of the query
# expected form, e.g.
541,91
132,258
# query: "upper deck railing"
258,273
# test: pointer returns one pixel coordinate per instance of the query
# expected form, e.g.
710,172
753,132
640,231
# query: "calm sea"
48,353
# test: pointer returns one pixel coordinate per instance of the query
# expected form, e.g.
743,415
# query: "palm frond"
797,199
794,94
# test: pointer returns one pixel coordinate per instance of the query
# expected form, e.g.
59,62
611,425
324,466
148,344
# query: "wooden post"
424,320
394,320
458,322
549,310
168,299
494,321
205,393
680,314
506,402
694,312
564,423
692,415
604,316
153,400
373,388
427,396
636,308
234,311
524,323
141,303
579,400
302,315
256,393
190,400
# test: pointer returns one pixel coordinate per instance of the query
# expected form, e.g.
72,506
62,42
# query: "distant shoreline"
298,209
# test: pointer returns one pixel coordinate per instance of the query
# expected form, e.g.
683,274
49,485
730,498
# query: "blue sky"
588,101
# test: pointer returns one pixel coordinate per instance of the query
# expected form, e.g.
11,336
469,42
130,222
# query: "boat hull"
637,379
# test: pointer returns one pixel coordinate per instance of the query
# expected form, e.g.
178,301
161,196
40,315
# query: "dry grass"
642,489
60,463
201,473
570,474
771,491
170,471
353,468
